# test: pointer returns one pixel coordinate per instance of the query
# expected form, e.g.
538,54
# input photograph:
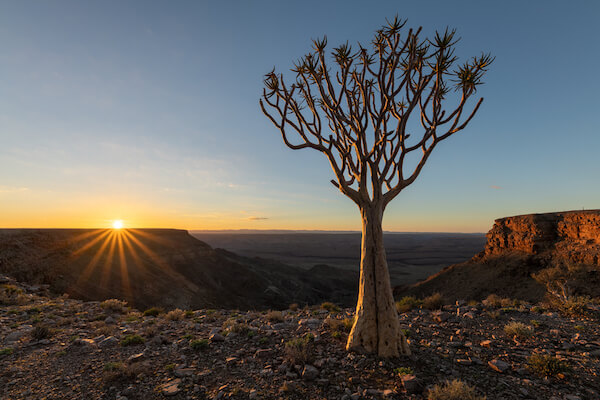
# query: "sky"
147,112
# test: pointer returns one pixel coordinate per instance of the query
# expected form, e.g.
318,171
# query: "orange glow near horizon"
117,224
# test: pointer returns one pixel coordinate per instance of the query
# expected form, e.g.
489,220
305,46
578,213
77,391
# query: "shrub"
199,344
433,302
118,372
189,313
453,390
403,371
131,340
294,307
407,303
518,329
334,324
348,323
299,351
12,295
405,332
153,312
572,307
330,307
274,316
547,366
40,332
175,315
6,351
232,325
493,300
114,305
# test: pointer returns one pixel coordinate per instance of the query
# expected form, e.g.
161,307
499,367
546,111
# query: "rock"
595,353
263,353
110,341
110,320
183,372
571,397
440,316
411,384
136,358
309,373
85,345
499,365
170,388
15,336
216,337
464,361
486,343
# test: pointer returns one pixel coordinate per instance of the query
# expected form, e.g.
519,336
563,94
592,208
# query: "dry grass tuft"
518,330
175,315
115,305
453,390
433,302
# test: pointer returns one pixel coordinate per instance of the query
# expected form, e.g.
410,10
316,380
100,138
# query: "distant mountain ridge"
516,248
162,267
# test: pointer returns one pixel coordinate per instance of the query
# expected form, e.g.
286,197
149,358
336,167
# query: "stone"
309,373
411,384
171,388
263,353
216,337
486,343
440,316
183,372
136,358
499,365
110,341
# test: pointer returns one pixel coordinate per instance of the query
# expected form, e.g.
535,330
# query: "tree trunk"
376,326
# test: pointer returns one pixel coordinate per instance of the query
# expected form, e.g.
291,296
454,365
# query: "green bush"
6,351
299,351
199,344
407,303
453,390
545,365
153,312
330,307
131,340
403,371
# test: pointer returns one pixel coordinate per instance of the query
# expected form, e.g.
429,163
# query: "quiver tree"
358,114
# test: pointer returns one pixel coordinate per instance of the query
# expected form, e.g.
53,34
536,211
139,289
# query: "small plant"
546,365
518,330
403,371
274,316
61,353
132,340
118,372
433,302
493,314
132,317
472,303
7,351
169,367
406,333
189,313
407,303
199,344
336,335
114,305
12,295
293,307
579,327
348,322
536,323
40,332
153,312
251,333
493,300
299,351
332,308
188,336
453,390
232,325
263,340
175,315
537,309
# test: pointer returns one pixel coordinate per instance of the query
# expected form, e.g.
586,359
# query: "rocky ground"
58,348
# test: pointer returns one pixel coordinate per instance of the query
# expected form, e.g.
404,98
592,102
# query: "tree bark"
376,326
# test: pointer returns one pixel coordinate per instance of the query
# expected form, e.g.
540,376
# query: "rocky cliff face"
516,248
572,236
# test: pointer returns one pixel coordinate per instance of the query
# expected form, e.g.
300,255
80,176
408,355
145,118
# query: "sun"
117,224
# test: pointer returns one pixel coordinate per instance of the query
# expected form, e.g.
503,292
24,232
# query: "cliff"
516,248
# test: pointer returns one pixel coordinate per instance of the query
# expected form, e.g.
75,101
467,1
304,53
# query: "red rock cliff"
572,236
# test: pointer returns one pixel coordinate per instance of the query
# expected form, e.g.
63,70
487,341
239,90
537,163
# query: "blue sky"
148,111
